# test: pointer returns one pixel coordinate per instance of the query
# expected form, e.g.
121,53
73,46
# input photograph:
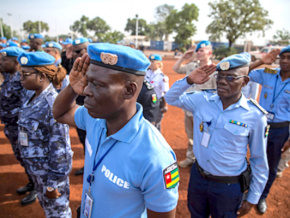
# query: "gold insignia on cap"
24,60
202,45
109,58
78,41
32,37
50,45
152,57
225,65
4,53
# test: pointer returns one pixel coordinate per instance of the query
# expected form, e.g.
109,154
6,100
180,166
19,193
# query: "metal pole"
11,29
136,41
39,27
1,28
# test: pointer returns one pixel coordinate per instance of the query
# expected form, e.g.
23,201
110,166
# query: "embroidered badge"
267,128
225,65
239,123
202,45
154,98
24,60
171,176
7,43
78,41
4,53
271,71
50,45
109,58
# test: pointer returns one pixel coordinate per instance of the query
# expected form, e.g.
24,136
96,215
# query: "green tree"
182,24
157,31
80,26
161,13
33,27
113,37
282,36
236,18
99,26
6,30
143,28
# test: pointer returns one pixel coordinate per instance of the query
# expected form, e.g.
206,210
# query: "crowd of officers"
105,91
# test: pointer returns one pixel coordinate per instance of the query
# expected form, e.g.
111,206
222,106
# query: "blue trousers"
276,139
212,198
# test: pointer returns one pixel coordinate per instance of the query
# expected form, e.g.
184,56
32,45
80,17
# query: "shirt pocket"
32,127
237,133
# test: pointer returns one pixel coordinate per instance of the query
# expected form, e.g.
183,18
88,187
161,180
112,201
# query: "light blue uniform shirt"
227,147
130,177
272,83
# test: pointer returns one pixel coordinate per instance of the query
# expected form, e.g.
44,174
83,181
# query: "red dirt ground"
12,174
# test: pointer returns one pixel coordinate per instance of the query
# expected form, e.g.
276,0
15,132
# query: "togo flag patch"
171,176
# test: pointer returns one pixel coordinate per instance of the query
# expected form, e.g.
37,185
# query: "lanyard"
91,177
274,98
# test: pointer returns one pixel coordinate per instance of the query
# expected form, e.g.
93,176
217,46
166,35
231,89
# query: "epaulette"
148,85
258,106
209,90
271,71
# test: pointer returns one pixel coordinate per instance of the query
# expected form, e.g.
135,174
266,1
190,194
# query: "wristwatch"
49,189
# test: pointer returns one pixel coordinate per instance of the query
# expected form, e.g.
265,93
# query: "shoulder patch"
171,176
148,85
259,106
271,71
209,90
267,128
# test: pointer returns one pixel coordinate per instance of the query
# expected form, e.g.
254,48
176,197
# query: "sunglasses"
24,74
228,78
78,51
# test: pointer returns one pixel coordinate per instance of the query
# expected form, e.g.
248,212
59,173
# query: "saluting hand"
270,57
77,76
201,75
188,54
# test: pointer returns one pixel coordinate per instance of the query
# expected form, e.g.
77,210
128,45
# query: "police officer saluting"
130,170
275,98
224,124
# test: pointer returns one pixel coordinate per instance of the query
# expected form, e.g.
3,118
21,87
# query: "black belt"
220,179
278,125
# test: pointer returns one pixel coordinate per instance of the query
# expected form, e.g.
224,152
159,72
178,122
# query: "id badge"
205,139
270,116
88,205
23,139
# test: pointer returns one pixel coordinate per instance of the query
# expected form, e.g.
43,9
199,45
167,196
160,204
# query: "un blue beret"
286,49
14,38
67,41
12,51
90,40
234,61
118,57
35,36
25,47
53,44
80,41
24,40
202,44
155,57
33,59
11,44
3,45
3,38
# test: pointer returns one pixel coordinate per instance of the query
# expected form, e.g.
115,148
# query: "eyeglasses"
227,78
78,51
24,74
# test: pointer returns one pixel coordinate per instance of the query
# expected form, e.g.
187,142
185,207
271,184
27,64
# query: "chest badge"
238,123
201,127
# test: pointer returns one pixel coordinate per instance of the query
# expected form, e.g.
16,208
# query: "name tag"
270,116
88,205
23,139
205,139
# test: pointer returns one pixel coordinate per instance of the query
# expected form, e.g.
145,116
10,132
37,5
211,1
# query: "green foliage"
181,23
282,37
99,26
157,31
163,11
33,27
80,26
112,37
222,51
236,18
143,28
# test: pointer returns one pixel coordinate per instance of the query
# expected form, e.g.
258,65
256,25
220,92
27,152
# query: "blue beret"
53,44
24,40
118,57
33,59
67,41
202,44
3,45
80,41
14,38
11,44
286,49
3,38
90,40
234,61
25,47
35,36
155,57
12,51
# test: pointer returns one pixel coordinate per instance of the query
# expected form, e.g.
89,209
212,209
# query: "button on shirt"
158,80
129,179
272,83
227,147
